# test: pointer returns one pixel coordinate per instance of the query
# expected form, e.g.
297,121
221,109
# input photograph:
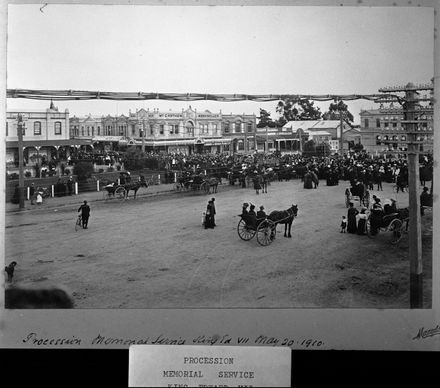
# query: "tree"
358,147
265,120
83,170
336,109
309,147
323,149
298,109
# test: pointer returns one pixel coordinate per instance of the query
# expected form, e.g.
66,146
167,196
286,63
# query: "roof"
311,124
327,124
352,129
303,124
320,133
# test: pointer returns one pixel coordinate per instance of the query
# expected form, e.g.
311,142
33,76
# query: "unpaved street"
154,253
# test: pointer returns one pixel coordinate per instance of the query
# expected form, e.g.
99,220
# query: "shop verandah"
43,157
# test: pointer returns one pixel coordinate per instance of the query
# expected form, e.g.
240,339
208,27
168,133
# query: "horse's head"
295,210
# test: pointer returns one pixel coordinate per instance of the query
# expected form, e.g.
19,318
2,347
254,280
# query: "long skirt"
351,224
361,226
308,183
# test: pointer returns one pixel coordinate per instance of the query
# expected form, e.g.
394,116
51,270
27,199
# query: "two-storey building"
186,131
382,130
46,136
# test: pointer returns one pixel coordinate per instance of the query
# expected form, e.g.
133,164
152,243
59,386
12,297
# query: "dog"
9,269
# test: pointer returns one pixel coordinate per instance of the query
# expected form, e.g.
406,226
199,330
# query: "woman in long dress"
257,184
361,228
351,219
209,216
308,181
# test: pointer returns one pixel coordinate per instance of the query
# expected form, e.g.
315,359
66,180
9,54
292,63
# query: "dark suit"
85,214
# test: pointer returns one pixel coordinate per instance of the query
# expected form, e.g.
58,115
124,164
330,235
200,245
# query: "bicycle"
78,223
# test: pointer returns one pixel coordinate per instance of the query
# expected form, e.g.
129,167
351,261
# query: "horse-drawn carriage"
236,173
265,228
196,182
121,190
357,193
285,172
396,222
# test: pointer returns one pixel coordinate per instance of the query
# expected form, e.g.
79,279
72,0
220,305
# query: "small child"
343,224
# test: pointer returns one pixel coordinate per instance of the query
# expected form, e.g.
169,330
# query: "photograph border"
323,329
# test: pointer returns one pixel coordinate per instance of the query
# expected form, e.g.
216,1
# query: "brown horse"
135,186
212,183
285,217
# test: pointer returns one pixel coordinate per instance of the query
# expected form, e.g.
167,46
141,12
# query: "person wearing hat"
252,215
69,186
85,214
244,210
376,217
209,217
32,193
261,214
425,200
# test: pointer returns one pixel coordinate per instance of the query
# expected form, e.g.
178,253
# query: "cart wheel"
266,233
395,228
120,193
244,231
368,229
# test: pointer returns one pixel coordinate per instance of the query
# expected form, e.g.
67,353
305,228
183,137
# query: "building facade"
382,130
320,131
46,136
187,131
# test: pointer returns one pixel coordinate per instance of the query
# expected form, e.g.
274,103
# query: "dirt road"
154,253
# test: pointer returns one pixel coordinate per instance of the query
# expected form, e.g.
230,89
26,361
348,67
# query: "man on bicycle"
85,214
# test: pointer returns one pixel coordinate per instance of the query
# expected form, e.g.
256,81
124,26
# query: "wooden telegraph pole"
143,135
411,112
415,222
20,127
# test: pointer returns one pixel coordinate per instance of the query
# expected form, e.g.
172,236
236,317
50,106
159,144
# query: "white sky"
307,50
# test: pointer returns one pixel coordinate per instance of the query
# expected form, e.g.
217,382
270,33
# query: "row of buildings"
52,133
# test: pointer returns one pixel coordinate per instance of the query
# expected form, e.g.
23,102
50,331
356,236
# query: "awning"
47,143
176,142
217,141
286,139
